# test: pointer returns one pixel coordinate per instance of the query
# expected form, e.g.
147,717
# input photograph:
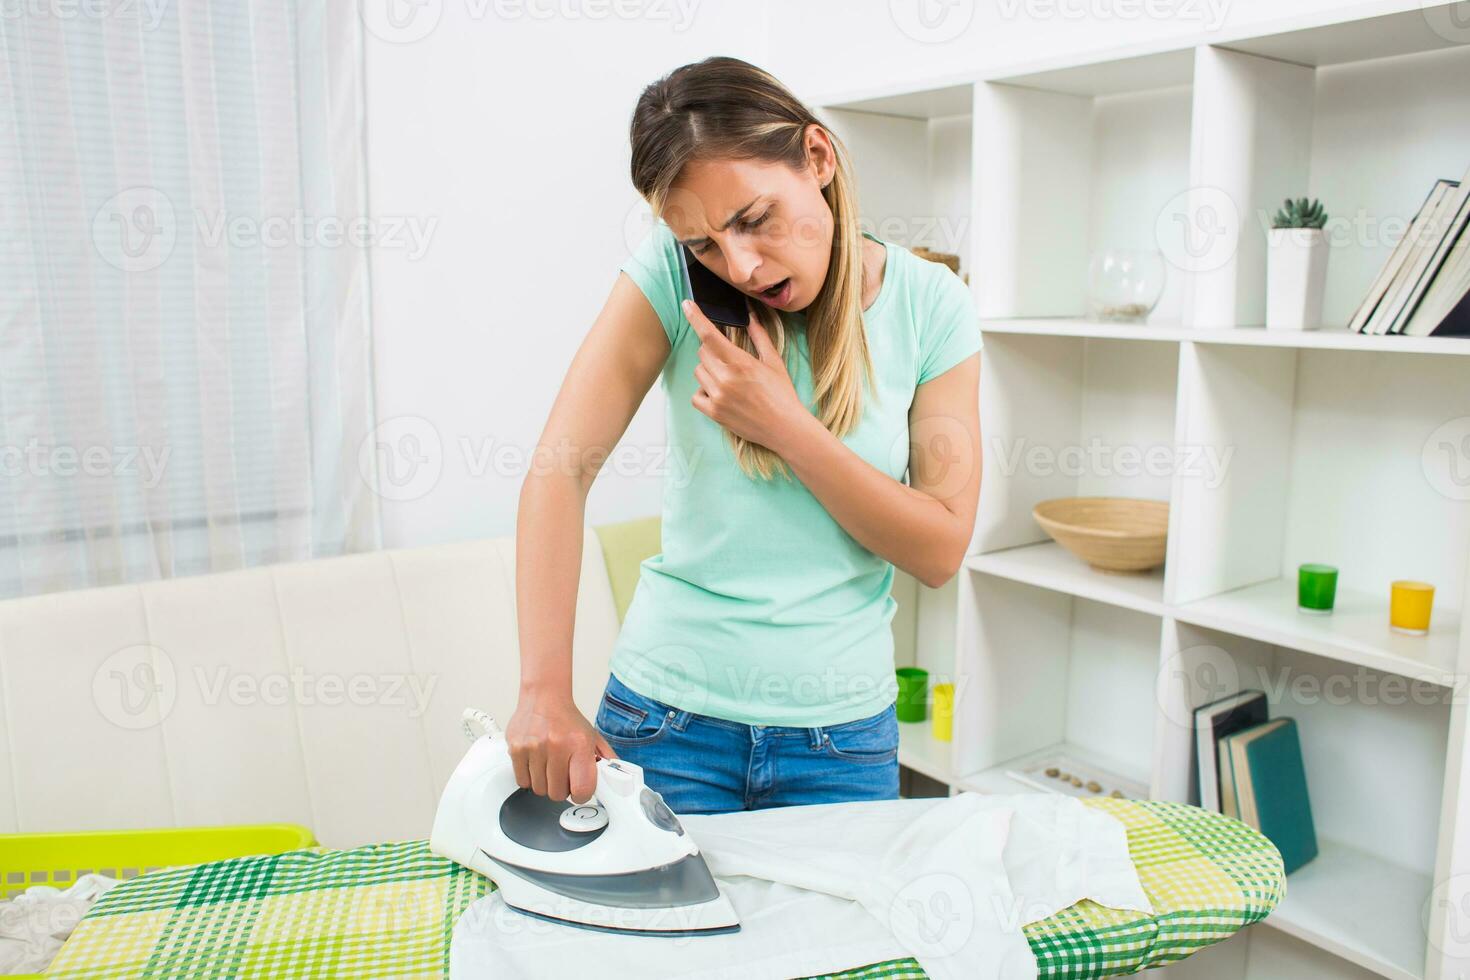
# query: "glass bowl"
1124,284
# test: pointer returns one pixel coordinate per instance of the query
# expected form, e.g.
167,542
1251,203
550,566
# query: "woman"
754,667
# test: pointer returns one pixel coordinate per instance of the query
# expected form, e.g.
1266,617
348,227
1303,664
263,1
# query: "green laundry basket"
60,859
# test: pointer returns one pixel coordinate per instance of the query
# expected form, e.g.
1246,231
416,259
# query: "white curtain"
184,335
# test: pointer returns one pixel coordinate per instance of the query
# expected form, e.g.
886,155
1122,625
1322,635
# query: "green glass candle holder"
1316,588
913,693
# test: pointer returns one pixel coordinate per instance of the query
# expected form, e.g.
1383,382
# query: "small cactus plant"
1300,213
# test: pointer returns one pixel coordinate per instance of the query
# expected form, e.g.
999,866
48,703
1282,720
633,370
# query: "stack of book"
1250,768
1424,287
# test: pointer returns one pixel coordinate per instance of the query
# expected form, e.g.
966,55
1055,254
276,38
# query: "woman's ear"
820,154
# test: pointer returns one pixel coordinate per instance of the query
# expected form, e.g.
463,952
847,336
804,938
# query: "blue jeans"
702,764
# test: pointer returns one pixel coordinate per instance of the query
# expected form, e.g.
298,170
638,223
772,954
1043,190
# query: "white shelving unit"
1272,448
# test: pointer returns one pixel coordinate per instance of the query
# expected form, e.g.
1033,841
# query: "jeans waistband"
679,719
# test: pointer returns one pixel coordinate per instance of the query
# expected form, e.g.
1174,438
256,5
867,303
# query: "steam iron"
621,862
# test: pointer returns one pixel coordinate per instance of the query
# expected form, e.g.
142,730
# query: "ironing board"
389,909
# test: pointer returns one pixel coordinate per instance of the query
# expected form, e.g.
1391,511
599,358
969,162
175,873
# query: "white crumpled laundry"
34,924
831,887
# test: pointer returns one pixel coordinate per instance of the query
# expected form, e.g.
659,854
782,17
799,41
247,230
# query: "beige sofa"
324,692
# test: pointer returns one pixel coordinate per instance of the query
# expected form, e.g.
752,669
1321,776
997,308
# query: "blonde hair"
727,109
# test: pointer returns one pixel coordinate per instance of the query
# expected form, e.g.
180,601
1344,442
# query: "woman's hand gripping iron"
620,862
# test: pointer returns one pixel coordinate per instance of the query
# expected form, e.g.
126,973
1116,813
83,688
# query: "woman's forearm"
548,571
906,526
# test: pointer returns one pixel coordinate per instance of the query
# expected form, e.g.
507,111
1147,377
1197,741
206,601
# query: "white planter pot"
1296,274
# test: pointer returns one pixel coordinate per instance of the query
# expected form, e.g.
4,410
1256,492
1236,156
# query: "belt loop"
818,735
679,718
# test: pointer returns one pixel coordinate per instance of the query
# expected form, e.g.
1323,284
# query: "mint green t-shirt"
761,608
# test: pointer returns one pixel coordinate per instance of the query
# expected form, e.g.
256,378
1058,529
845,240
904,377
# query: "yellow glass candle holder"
1409,604
943,720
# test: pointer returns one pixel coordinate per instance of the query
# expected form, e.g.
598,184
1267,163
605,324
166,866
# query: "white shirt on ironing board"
838,886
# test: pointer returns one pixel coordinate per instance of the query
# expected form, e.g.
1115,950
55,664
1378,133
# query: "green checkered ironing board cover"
389,909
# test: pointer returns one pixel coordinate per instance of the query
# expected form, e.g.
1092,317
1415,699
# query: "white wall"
511,135
508,131
819,47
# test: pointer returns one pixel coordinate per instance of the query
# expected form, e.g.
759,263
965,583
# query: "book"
1269,784
1442,232
1444,307
1418,243
1228,804
1394,265
1213,722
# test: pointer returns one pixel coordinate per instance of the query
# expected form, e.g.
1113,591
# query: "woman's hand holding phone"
751,396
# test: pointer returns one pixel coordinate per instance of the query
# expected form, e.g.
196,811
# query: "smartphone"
720,301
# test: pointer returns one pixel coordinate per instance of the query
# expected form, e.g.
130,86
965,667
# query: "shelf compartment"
1365,39
997,778
1050,566
920,751
915,150
920,104
1073,161
1359,907
1039,668
1334,458
1355,632
1355,118
1373,743
1068,417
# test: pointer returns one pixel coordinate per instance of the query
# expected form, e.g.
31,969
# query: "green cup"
913,693
1316,588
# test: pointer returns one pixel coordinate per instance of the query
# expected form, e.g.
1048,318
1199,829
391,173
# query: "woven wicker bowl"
1112,534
